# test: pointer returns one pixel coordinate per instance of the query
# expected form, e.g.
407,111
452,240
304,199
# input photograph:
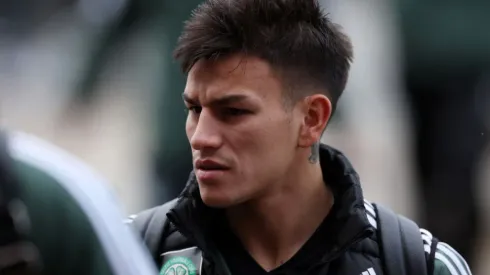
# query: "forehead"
234,74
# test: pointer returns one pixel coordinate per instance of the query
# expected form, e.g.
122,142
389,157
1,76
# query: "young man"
263,79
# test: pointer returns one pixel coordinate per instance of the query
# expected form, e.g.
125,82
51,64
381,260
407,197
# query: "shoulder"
36,159
146,215
61,191
53,177
441,258
157,232
150,218
446,260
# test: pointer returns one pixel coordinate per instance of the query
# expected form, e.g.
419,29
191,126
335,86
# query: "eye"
194,109
235,112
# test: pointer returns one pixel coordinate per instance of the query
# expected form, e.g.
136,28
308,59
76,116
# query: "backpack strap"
401,244
152,225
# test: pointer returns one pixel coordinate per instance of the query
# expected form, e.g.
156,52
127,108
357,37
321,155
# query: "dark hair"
296,37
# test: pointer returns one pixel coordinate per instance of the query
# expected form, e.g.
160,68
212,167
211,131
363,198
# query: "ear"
317,110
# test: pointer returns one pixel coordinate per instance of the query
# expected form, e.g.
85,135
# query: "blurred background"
96,78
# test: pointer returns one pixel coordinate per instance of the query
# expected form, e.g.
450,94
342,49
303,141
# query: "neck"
275,226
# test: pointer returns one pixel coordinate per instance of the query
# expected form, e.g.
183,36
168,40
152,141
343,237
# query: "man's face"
242,137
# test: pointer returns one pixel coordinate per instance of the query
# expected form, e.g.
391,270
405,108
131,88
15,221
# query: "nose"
204,133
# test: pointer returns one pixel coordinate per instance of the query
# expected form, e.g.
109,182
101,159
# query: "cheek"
263,144
280,132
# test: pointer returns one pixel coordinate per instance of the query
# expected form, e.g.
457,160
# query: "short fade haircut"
306,50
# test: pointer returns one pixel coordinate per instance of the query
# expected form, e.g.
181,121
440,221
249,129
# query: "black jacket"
350,244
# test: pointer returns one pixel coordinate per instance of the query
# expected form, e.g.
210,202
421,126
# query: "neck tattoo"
315,151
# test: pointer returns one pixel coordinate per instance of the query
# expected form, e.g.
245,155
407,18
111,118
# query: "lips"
209,171
209,165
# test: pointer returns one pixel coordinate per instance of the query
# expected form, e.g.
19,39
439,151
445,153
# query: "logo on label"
370,271
179,266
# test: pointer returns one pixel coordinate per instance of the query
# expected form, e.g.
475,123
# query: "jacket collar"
194,219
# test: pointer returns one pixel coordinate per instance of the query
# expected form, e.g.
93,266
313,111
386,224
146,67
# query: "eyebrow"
225,100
